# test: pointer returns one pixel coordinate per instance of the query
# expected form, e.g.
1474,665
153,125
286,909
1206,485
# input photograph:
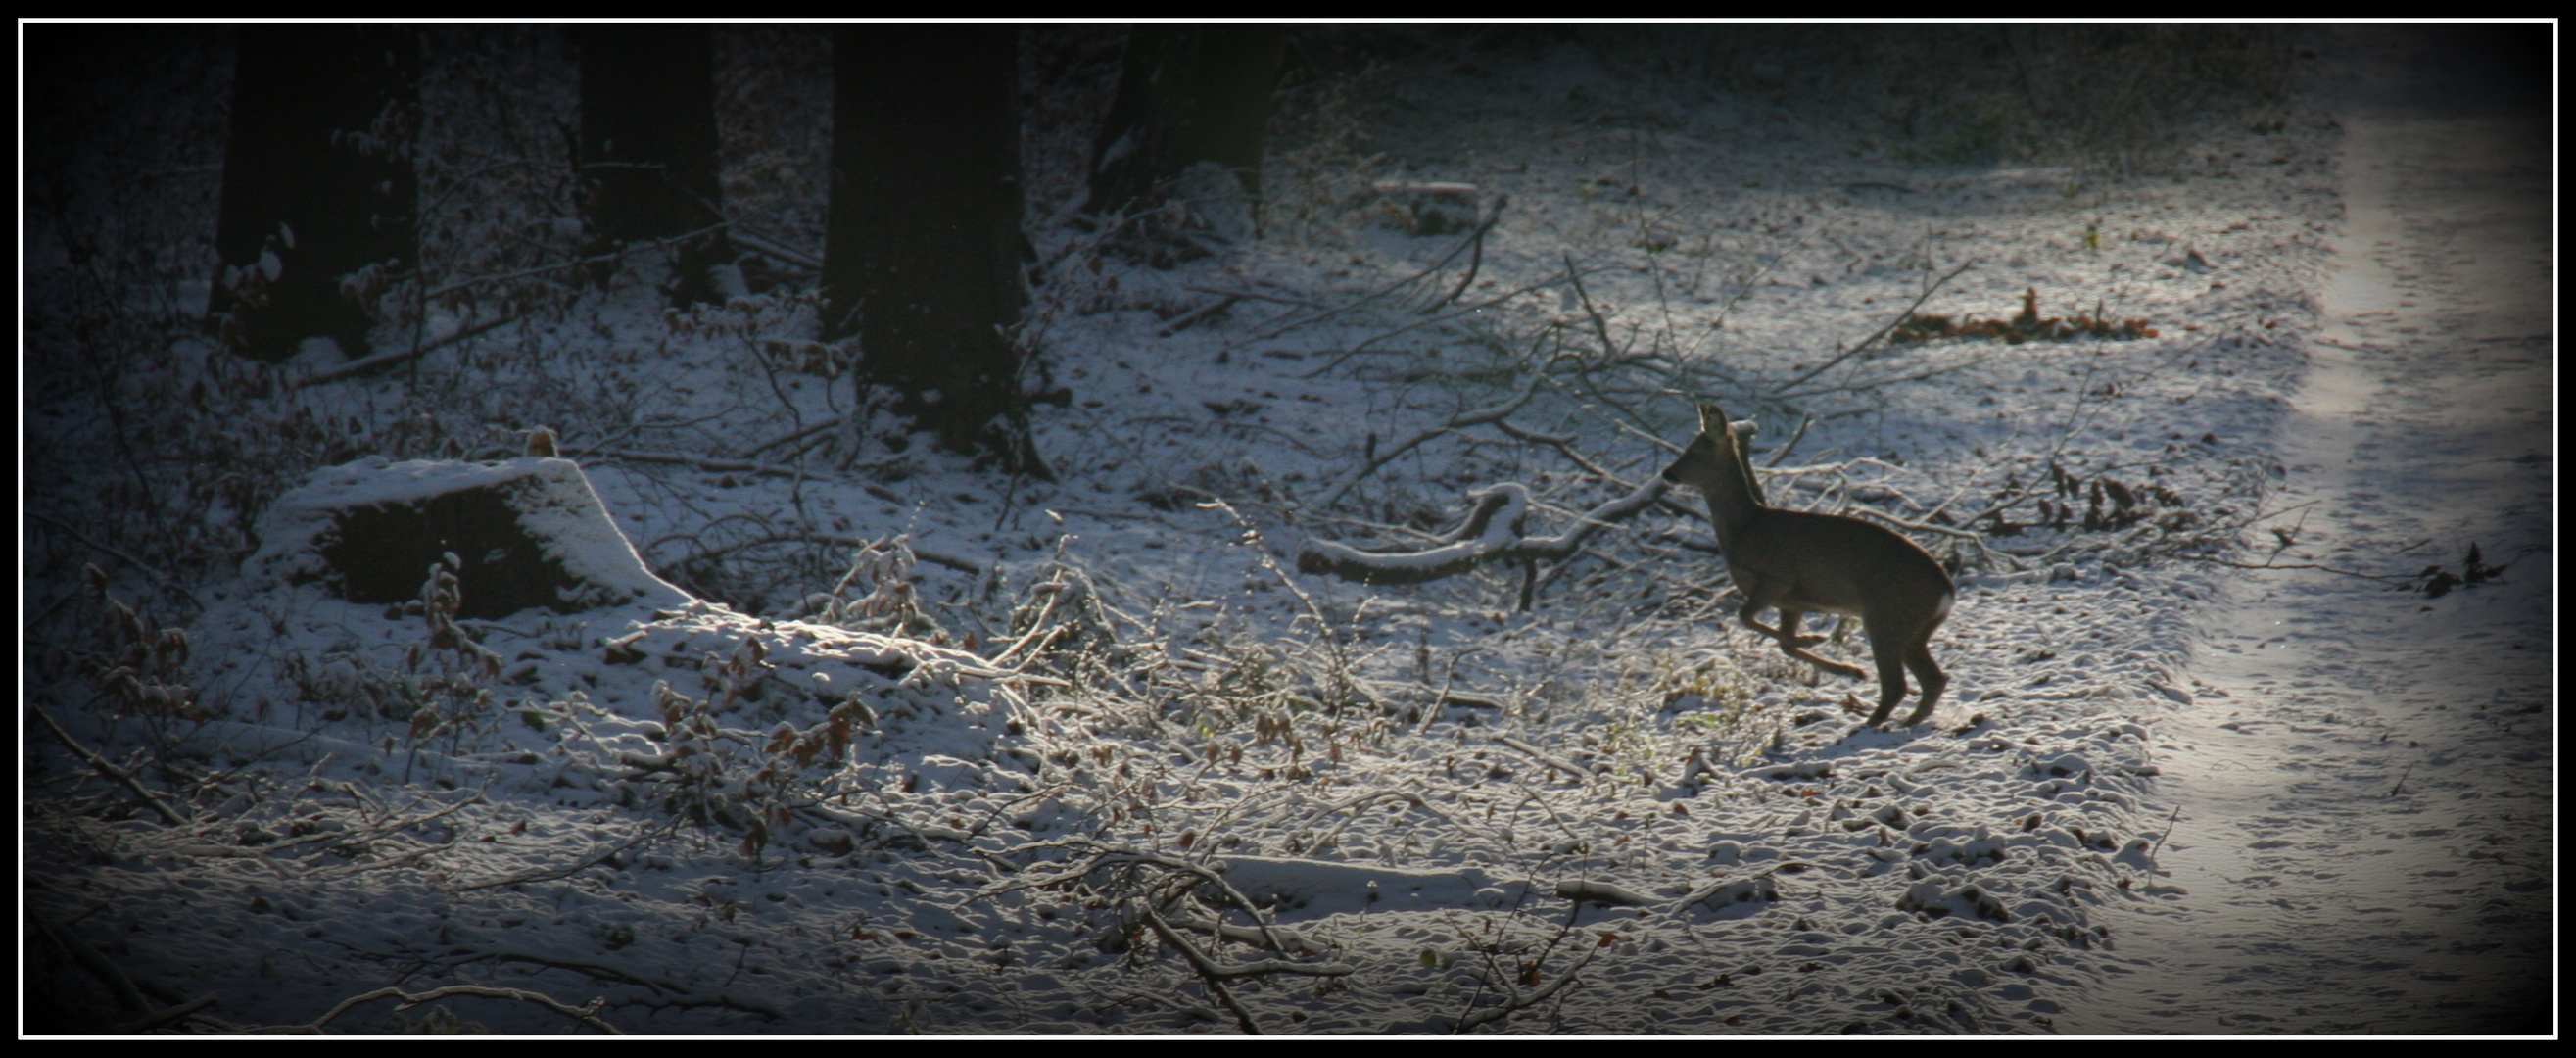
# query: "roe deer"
1805,563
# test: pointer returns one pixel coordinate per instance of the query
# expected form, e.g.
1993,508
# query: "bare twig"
164,1016
1264,936
381,361
794,437
168,583
1928,290
1186,320
1275,299
712,466
549,874
1476,239
1473,417
1476,256
559,266
1207,972
1544,757
2383,578
1514,1003
150,799
588,1015
677,996
1600,327
89,959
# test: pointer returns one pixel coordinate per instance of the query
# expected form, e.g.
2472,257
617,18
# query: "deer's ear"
1711,418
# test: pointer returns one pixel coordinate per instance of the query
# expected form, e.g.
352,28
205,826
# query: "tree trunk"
1187,94
923,250
320,201
648,150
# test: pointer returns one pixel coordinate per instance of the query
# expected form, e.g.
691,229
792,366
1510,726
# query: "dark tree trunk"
320,200
923,251
648,149
1187,94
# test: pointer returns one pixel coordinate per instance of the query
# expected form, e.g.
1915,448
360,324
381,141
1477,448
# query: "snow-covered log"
1492,533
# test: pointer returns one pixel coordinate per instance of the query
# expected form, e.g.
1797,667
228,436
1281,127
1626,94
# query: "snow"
2165,795
553,501
2364,787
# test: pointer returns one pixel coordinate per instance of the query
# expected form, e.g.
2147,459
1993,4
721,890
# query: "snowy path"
2365,780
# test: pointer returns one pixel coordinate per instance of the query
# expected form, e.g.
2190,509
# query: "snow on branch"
1492,533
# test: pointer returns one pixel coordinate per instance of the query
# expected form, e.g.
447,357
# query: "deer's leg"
1759,595
1918,656
1795,645
1763,593
1888,652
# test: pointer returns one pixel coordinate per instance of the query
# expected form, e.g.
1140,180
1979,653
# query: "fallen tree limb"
1492,533
381,361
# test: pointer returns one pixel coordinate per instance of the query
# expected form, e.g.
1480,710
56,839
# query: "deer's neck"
1731,505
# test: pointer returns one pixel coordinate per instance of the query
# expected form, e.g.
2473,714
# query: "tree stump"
525,534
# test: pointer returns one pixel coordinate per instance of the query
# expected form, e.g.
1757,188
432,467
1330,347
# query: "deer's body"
1802,563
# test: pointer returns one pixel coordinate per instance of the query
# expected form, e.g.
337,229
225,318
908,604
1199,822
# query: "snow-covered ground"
1150,778
2365,782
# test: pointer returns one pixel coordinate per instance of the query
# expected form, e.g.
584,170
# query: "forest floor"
1123,768
2365,787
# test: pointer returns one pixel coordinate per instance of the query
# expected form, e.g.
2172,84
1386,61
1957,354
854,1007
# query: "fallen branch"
1476,256
776,249
1585,890
1491,534
158,1018
1250,935
1186,320
1882,332
1474,417
168,583
678,996
799,435
586,1015
712,466
1207,972
381,361
549,874
88,958
1272,298
1544,757
1475,239
2383,578
1514,1003
150,799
